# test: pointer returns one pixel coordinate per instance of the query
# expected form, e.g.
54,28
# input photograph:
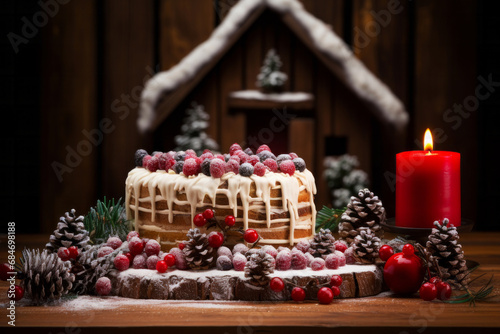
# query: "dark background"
69,73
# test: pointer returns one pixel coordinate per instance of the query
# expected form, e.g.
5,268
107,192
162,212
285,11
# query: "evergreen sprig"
472,296
105,219
328,218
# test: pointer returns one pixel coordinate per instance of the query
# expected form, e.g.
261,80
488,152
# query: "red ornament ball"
230,221
251,236
121,262
63,253
336,280
135,246
169,260
15,294
277,284
428,291
325,295
404,274
336,291
298,294
4,270
161,266
103,286
385,252
215,239
208,214
443,290
199,220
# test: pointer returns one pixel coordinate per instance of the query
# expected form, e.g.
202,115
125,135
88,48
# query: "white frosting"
164,186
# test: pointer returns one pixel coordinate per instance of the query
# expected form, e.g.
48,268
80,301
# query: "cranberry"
230,221
298,294
277,284
325,295
385,252
199,220
251,236
428,291
161,266
336,280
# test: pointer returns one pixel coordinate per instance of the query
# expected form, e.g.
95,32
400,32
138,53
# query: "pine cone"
45,276
258,268
70,231
444,247
199,254
322,244
363,211
366,246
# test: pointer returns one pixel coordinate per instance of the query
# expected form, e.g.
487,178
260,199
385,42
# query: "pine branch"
328,218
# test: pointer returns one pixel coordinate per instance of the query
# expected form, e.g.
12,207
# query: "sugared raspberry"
178,167
139,262
350,258
121,262
114,242
293,155
281,248
235,147
224,263
206,151
318,264
232,166
169,164
63,253
340,245
235,157
303,246
162,160
246,169
300,164
242,155
310,258
284,260
105,250
224,251
240,248
272,165
151,262
299,260
266,155
103,286
190,167
156,153
139,155
270,250
332,261
180,156
205,167
145,161
217,168
132,234
239,262
263,148
253,159
153,164
220,156
207,155
180,260
135,246
283,157
152,248
190,154
342,259
287,167
259,169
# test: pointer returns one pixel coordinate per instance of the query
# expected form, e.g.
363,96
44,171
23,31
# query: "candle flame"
428,145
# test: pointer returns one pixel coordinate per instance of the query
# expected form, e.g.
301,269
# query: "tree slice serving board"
358,281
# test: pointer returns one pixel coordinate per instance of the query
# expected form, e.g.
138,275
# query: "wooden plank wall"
414,54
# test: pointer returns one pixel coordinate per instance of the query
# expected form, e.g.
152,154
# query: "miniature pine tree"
270,78
193,134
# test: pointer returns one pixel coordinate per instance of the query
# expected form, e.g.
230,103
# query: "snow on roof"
317,35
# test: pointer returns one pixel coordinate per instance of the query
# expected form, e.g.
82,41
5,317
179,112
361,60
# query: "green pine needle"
328,218
106,219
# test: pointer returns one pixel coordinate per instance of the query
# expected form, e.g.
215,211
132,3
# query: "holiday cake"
272,195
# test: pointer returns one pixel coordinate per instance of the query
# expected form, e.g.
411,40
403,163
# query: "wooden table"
384,313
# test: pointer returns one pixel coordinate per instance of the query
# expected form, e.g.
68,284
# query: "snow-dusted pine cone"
197,251
322,244
365,210
45,276
444,247
258,268
70,231
366,245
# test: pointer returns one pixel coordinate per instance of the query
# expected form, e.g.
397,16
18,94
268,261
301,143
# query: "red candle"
427,186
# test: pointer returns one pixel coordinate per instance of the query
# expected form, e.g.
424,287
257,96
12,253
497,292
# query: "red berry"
153,164
435,280
217,168
259,169
335,290
161,266
191,167
428,291
287,167
272,165
190,154
251,236
121,262
152,247
325,295
206,155
135,246
199,220
277,284
253,159
145,160
298,294
385,252
215,239
230,221
132,234
73,252
242,155
63,253
103,286
208,214
4,270
263,148
104,250
235,147
293,155
114,242
232,166
336,280
130,257
340,245
181,246
408,250
443,290
169,259
15,294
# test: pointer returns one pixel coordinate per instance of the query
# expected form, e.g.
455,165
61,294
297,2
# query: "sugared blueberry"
248,151
139,155
179,166
224,263
300,164
205,167
266,155
246,169
240,248
180,156
283,157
